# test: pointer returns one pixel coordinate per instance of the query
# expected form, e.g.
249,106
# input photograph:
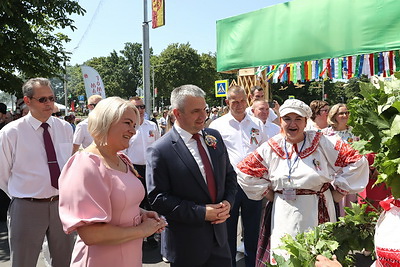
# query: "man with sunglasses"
33,150
81,134
146,134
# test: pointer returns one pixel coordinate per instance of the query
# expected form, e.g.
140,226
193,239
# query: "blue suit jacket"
177,190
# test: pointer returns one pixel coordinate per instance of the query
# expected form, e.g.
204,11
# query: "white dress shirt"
24,171
81,135
191,144
271,129
146,135
241,138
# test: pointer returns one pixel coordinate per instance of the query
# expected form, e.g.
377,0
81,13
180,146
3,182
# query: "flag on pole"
93,83
158,13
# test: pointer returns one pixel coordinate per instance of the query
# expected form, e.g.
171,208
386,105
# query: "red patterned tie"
208,169
51,156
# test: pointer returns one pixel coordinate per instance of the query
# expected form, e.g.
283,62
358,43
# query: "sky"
108,24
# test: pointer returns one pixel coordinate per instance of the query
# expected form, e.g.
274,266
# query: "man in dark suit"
195,202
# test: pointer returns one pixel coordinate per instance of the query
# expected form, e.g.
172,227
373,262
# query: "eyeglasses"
56,114
140,106
344,113
44,99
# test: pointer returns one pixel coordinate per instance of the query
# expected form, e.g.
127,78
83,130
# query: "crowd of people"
104,189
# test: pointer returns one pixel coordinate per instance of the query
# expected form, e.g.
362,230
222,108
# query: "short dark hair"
255,88
316,106
3,108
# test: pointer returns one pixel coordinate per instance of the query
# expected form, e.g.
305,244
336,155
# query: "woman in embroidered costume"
296,170
100,193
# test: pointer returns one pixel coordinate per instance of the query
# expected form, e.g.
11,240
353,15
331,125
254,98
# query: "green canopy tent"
303,30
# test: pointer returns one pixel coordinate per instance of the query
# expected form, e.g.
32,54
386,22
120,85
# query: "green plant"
351,233
376,120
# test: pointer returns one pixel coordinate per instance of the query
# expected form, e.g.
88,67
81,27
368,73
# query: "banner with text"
93,83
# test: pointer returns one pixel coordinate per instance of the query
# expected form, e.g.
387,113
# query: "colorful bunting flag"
383,63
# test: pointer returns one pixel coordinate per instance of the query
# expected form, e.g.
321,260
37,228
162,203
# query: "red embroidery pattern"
388,257
347,154
314,144
305,153
276,147
252,165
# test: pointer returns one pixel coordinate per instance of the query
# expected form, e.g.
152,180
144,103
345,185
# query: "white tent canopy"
60,106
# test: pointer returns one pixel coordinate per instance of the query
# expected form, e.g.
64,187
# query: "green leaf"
394,183
395,128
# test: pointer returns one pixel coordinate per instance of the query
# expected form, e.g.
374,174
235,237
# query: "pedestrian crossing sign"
221,87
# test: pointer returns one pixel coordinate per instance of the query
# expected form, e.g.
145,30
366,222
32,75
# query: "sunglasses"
141,106
45,99
344,113
93,105
57,114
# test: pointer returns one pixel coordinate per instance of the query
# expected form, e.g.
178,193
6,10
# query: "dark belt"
50,199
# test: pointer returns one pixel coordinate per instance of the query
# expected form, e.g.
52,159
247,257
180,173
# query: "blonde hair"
107,112
332,113
93,98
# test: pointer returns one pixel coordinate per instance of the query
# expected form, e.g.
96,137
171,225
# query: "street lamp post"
146,59
154,95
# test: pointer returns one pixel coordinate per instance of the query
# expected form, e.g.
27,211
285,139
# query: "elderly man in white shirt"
146,134
242,134
81,134
29,167
260,109
257,93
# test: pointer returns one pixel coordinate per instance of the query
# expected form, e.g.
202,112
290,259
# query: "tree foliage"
29,45
121,72
180,64
376,120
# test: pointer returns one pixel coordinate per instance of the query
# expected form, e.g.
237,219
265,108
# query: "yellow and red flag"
158,13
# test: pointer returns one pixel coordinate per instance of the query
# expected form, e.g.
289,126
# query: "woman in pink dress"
100,193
